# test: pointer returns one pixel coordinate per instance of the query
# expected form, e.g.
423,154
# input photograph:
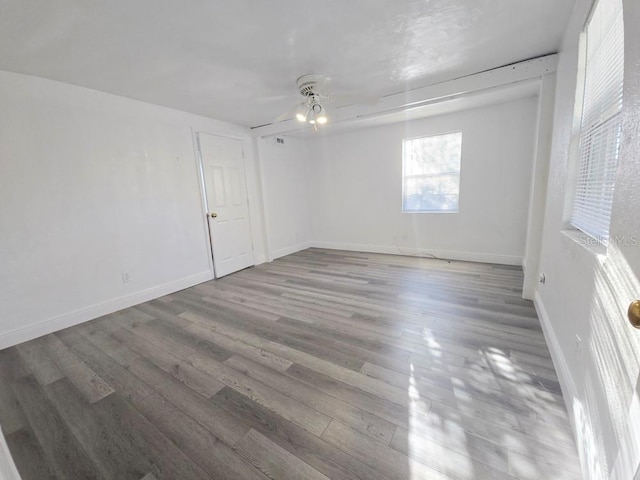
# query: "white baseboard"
8,470
289,250
66,320
447,254
557,355
260,259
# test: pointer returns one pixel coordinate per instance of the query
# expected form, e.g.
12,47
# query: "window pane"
601,125
431,173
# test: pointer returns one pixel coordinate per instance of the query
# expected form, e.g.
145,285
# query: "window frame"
580,130
403,176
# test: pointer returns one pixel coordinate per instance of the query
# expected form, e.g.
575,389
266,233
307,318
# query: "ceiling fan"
313,111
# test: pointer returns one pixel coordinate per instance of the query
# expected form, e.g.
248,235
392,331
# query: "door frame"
204,205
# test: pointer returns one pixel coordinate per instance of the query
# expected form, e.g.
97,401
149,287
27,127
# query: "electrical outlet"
126,278
578,347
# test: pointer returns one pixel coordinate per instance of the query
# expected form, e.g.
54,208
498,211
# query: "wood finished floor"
322,364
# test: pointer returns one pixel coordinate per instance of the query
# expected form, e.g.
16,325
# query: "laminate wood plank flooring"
323,364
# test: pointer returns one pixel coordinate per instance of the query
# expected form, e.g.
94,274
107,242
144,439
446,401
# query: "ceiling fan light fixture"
317,113
311,118
301,113
321,115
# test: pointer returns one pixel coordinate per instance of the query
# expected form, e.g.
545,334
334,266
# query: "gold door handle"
634,313
214,215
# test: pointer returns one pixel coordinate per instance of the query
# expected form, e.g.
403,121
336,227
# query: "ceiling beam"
489,79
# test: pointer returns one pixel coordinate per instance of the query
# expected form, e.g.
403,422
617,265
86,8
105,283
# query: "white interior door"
228,208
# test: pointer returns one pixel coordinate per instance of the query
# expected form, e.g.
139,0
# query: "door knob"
214,215
634,313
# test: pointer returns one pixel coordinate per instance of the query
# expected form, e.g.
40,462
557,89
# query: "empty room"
291,240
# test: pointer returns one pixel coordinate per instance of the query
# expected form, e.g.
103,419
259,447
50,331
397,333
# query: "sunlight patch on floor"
423,448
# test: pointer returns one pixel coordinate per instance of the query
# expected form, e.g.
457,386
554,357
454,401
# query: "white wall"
285,186
588,290
91,186
356,192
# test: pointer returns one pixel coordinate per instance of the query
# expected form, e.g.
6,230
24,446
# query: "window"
431,173
600,127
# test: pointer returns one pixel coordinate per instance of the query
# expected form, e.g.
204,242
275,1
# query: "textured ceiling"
237,60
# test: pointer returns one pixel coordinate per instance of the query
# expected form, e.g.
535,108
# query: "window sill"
586,242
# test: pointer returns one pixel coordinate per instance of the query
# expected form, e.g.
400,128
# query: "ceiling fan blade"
288,115
278,98
282,117
353,99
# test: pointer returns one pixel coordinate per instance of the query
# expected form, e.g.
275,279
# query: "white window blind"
431,173
601,120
